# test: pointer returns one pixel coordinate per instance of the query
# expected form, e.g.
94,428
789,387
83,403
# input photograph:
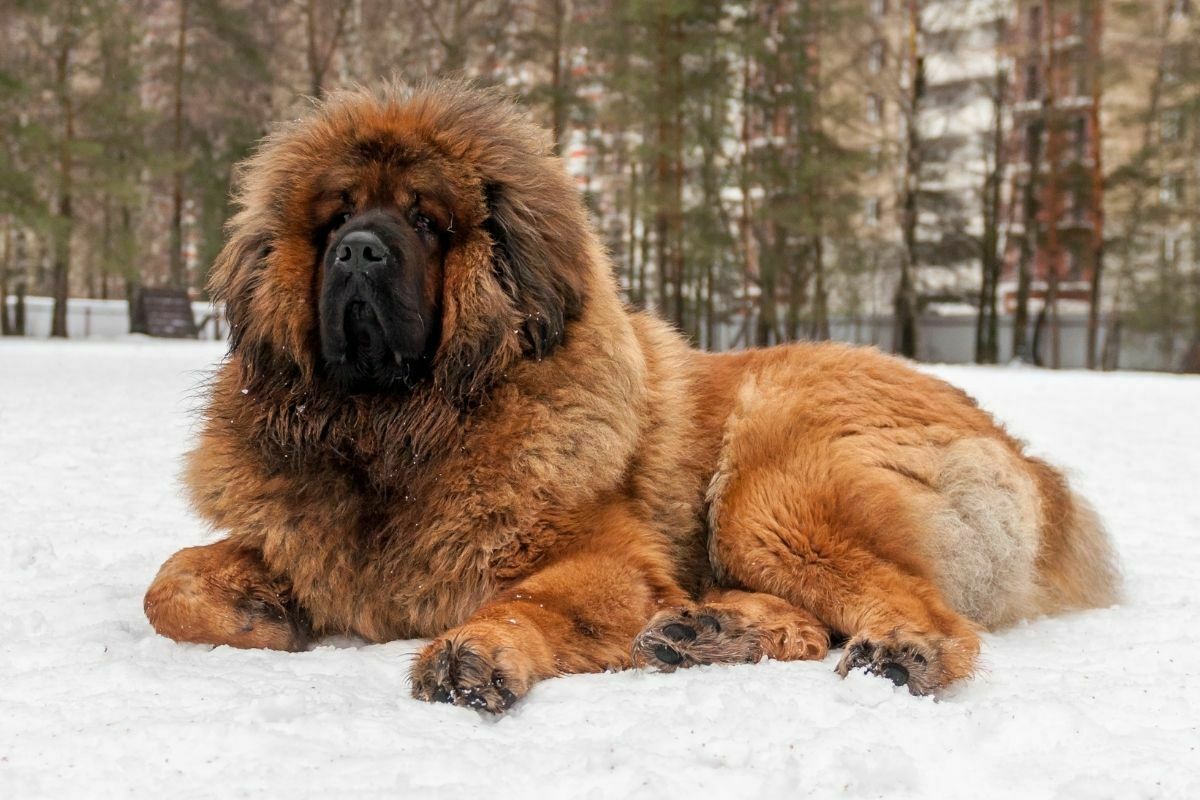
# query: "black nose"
360,250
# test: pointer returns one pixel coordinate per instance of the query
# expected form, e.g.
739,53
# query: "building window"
1074,208
874,159
1171,126
1084,19
1173,62
1079,137
1172,248
1035,24
1074,265
871,211
874,108
1033,141
1079,78
1032,84
877,56
1171,190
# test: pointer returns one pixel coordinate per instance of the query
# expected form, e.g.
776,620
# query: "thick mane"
297,427
515,277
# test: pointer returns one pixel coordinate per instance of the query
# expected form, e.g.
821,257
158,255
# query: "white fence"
951,340
941,339
103,318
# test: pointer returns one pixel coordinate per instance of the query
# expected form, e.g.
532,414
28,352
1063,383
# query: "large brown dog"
438,420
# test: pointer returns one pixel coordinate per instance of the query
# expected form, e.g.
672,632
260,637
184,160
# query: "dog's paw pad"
910,663
681,638
461,674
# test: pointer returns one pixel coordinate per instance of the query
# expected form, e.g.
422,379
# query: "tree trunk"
1110,355
177,275
706,313
987,324
1039,330
19,310
764,329
1136,216
797,276
1054,251
985,318
905,339
318,62
644,270
668,178
98,277
662,230
678,267
560,76
637,287
1191,360
906,311
64,221
1191,363
1029,242
749,262
820,323
987,332
814,131
9,242
1047,314
709,329
1096,296
313,59
767,324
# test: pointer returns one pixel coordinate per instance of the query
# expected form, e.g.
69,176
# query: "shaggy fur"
569,487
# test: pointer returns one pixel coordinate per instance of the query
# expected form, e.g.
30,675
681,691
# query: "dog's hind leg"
222,594
730,627
824,548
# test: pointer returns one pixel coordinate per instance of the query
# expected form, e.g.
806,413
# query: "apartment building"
965,75
1056,211
1152,120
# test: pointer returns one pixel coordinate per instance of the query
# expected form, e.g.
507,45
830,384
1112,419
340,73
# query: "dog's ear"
478,322
235,275
512,293
539,258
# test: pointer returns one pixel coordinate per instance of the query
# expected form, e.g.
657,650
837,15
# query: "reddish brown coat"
572,480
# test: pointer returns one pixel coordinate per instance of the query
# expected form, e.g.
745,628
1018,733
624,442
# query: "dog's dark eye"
422,223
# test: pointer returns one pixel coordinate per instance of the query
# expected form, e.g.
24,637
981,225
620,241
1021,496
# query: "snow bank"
93,704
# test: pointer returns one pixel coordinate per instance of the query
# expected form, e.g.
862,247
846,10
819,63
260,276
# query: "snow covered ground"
94,704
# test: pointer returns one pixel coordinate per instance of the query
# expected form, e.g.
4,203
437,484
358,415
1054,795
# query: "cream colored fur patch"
984,541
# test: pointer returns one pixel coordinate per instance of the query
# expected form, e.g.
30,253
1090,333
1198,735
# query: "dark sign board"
163,312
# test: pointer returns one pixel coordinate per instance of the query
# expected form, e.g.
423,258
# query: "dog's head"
413,235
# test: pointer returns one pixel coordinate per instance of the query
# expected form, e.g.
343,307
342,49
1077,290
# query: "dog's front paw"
467,671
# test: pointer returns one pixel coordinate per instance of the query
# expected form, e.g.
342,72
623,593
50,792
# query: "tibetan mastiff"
437,419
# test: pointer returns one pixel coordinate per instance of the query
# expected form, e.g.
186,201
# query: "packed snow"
1099,704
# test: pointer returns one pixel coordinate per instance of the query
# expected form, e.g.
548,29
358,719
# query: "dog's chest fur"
384,545
392,549
404,566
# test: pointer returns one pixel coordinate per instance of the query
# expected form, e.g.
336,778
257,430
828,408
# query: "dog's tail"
1077,565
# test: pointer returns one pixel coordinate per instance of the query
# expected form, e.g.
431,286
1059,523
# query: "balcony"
1076,221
